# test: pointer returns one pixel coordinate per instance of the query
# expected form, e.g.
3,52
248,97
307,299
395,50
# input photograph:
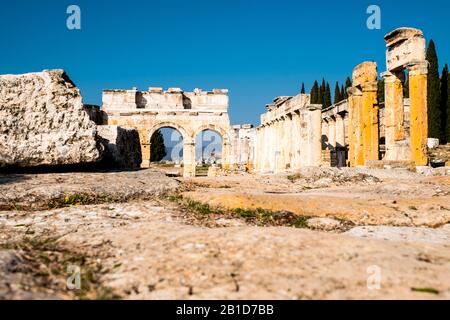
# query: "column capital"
418,68
391,76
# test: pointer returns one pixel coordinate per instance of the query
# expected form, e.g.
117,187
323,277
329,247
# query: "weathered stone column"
272,138
369,125
189,159
340,131
296,140
355,153
418,75
394,114
314,117
145,147
288,142
325,134
226,150
280,166
332,133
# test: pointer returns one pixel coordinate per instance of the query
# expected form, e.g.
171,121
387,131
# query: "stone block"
43,123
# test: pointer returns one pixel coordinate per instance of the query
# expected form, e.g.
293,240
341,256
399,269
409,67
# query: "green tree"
315,93
302,91
444,105
348,84
343,93
322,92
327,97
337,93
157,149
434,97
448,109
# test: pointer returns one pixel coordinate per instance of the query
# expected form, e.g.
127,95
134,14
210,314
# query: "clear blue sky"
257,49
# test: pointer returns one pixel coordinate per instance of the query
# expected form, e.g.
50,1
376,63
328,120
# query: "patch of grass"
80,200
199,207
425,290
258,216
301,223
47,261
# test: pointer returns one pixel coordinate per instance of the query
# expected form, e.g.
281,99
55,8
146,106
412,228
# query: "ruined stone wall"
188,112
289,136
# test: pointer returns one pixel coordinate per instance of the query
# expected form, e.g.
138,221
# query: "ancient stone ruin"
289,136
362,131
188,112
43,123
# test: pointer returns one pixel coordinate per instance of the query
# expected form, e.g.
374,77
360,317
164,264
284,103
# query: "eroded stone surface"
42,122
37,191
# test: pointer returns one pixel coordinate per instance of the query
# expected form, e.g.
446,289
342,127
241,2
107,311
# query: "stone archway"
226,142
188,145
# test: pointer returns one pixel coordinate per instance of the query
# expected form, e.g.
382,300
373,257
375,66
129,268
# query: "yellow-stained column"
369,117
418,75
189,159
394,113
356,152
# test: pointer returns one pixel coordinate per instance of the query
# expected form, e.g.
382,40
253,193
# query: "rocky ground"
318,234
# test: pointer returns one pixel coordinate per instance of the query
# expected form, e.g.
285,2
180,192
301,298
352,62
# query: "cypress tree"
348,84
337,93
343,93
434,114
157,148
323,87
320,96
444,106
315,93
302,91
448,109
327,98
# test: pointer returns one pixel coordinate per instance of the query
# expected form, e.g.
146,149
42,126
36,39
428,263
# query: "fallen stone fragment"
43,123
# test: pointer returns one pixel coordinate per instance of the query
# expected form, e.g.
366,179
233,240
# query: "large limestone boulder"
122,147
42,122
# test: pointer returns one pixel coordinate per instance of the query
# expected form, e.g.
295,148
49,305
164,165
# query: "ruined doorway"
166,150
208,151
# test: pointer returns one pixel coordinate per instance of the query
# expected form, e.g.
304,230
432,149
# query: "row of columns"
333,130
289,142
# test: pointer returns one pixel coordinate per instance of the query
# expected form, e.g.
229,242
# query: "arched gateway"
188,112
